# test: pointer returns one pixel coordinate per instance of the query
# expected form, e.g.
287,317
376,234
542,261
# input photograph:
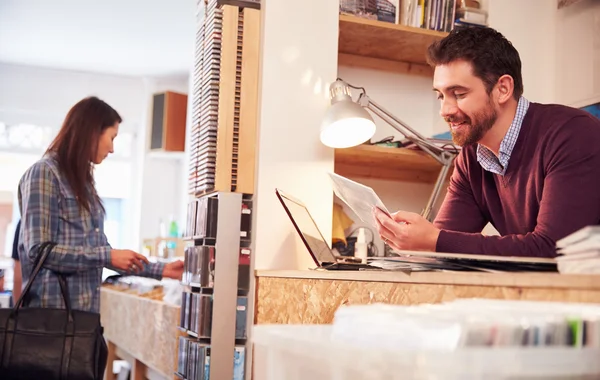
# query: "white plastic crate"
309,352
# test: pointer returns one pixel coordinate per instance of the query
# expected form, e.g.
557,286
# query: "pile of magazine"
579,253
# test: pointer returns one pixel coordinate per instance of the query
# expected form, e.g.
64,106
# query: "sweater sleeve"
570,197
459,211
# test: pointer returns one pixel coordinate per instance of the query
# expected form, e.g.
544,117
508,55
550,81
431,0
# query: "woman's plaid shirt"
50,212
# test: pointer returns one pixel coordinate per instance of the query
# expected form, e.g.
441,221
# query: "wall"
298,62
163,175
409,97
531,26
43,97
578,54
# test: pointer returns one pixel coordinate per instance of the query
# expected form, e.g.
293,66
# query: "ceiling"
125,37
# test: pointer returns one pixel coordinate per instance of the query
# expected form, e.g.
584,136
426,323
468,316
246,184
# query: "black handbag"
44,343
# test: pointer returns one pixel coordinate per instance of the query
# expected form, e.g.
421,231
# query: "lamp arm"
403,128
444,157
437,189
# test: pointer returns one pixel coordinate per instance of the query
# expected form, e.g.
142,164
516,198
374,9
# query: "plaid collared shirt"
498,164
50,212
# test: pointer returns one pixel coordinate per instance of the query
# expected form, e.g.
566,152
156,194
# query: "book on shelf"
441,140
429,14
439,15
380,10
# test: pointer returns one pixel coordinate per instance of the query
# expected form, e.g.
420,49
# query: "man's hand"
173,270
406,231
127,260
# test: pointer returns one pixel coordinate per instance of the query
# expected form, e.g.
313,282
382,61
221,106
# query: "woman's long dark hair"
76,146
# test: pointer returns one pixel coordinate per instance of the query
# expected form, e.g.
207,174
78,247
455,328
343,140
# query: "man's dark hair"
488,51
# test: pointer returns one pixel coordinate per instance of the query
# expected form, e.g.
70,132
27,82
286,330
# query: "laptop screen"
307,228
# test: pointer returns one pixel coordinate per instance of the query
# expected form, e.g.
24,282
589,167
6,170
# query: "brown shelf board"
384,40
397,164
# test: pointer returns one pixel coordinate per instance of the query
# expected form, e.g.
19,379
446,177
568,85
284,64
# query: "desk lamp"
348,124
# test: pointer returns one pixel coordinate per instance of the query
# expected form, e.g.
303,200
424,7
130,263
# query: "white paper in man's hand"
360,198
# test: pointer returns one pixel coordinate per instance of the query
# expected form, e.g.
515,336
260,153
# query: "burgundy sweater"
551,188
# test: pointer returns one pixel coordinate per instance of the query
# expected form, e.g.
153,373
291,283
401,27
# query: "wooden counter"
142,331
314,296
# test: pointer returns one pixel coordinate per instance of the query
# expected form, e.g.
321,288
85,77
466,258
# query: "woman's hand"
173,270
127,260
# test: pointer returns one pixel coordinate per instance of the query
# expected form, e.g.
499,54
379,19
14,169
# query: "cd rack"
224,99
216,280
224,106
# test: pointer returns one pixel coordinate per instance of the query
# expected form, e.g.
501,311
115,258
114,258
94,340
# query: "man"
531,170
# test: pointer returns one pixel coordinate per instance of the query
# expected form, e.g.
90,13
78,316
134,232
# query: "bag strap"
64,289
43,251
69,329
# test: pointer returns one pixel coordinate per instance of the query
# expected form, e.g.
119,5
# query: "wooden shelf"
398,164
373,40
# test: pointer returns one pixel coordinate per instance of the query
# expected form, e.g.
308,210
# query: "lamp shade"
346,124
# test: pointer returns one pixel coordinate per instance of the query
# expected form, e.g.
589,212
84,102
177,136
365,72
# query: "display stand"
221,183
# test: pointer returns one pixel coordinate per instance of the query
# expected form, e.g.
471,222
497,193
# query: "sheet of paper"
360,198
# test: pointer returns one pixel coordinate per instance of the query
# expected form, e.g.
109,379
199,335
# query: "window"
114,221
31,138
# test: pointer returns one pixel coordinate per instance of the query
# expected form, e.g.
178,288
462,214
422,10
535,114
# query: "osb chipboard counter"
314,296
144,328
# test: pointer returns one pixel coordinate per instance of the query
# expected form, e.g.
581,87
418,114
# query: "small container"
360,247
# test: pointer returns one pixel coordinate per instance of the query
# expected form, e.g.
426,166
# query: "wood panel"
363,62
506,279
225,130
249,102
296,300
384,40
371,161
175,121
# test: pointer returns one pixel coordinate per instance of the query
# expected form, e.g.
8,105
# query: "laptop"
312,237
324,257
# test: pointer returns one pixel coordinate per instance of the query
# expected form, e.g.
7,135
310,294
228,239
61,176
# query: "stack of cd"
196,364
205,104
238,95
195,124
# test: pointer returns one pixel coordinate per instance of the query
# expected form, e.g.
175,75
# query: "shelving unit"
398,164
213,341
383,45
215,297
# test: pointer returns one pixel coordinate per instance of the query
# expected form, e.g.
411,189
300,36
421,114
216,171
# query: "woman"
59,203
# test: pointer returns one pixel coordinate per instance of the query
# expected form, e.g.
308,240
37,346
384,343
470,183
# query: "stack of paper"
579,253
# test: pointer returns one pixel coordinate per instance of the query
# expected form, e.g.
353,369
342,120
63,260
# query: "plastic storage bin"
310,352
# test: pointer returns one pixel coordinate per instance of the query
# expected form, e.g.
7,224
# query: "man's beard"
474,128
